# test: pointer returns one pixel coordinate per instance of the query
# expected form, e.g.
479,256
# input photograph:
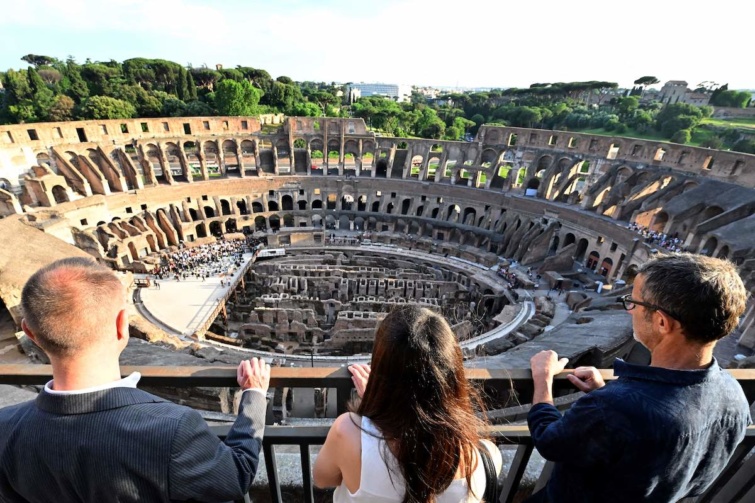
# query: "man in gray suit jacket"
91,436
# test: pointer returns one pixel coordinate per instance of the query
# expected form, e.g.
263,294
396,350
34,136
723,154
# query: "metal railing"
736,483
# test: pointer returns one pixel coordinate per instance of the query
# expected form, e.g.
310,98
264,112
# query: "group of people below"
203,261
670,243
656,433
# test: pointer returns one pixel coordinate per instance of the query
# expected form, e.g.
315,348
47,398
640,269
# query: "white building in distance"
398,92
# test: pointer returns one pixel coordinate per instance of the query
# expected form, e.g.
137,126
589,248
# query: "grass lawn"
743,123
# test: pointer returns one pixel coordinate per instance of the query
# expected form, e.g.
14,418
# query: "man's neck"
84,372
682,356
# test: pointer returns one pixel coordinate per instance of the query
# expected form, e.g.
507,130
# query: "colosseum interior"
367,222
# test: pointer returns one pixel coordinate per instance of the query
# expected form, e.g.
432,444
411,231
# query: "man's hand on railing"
544,366
254,373
586,379
360,372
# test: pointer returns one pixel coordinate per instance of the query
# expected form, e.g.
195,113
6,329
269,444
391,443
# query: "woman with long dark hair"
414,436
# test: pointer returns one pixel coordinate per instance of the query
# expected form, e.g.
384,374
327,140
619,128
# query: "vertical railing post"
272,473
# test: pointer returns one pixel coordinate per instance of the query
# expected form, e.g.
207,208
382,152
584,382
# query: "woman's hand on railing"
360,372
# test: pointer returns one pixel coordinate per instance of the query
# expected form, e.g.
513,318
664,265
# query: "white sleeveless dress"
376,486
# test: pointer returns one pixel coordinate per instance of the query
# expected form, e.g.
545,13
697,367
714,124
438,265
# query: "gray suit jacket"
124,445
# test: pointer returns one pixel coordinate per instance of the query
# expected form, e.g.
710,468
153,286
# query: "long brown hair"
420,400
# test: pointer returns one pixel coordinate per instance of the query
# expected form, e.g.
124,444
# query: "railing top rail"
307,377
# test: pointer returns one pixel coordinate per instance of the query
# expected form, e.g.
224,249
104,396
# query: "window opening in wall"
440,200
187,128
572,142
659,154
271,193
83,221
636,150
593,144
736,168
82,134
600,240
32,134
225,125
124,128
145,127
316,192
166,127
393,195
552,140
8,137
103,129
708,163
512,140
683,156
244,125
204,198
533,137
188,199
613,151
129,210
206,125
614,246
57,132
144,206
423,198
378,194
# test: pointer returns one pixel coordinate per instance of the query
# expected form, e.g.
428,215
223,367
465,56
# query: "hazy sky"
469,43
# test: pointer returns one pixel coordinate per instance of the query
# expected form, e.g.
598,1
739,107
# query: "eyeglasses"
629,303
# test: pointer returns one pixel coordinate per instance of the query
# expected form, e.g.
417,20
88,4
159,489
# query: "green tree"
192,88
627,106
198,108
306,109
105,107
41,96
61,109
205,78
429,125
237,98
38,60
182,89
76,87
173,107
682,136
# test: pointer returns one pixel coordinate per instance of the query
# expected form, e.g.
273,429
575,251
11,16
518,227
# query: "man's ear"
665,322
28,331
121,322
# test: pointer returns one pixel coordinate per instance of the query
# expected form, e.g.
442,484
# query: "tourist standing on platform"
415,436
92,436
658,433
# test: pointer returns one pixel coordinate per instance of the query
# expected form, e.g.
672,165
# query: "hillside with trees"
54,90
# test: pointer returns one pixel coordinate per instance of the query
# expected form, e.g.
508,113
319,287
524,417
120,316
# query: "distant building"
676,91
396,91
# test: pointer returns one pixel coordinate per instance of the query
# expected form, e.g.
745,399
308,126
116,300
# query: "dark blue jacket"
653,435
124,445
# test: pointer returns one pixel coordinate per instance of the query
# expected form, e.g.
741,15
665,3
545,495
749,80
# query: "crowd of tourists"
203,261
670,243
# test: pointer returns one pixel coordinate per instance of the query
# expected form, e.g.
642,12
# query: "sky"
469,43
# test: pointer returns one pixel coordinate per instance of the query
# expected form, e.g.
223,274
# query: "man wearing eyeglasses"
658,433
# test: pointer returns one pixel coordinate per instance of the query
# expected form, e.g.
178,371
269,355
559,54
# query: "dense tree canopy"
54,90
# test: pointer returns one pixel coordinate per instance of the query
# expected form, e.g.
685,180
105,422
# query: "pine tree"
182,89
77,88
192,89
42,97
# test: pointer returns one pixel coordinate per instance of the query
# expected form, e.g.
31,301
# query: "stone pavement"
181,307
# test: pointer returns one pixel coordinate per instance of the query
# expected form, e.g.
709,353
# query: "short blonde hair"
68,304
